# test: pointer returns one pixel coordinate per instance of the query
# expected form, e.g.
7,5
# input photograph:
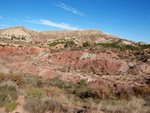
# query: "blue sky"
128,19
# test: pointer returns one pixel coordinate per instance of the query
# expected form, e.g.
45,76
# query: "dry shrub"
123,94
35,105
135,105
104,92
53,105
12,77
54,91
142,91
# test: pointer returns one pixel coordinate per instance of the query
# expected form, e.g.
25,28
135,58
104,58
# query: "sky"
128,19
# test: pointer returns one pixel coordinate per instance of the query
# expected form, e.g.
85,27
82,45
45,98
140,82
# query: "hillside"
73,71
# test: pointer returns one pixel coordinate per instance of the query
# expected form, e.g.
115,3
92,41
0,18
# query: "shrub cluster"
67,43
8,97
121,47
145,46
54,93
86,44
56,43
17,78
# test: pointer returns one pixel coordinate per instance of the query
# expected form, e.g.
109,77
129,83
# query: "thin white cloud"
50,23
68,8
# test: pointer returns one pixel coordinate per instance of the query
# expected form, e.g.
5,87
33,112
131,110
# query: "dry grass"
134,105
17,78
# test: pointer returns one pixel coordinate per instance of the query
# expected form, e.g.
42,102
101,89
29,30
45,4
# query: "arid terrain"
72,72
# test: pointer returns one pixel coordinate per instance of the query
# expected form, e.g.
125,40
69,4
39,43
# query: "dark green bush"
83,83
121,47
86,44
145,46
69,43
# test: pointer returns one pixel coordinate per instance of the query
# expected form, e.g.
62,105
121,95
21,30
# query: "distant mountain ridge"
82,36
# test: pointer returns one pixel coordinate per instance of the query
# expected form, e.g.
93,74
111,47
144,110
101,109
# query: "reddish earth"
19,50
40,61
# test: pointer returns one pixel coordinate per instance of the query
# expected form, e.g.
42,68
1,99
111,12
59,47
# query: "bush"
121,47
34,93
52,105
17,78
83,83
3,96
142,91
56,43
11,106
86,44
69,43
35,105
13,95
145,46
82,90
6,92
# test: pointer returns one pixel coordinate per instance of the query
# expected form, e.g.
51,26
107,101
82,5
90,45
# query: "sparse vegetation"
48,97
145,46
56,43
17,38
116,45
110,77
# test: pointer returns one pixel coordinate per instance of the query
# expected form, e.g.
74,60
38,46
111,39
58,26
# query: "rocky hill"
81,36
82,67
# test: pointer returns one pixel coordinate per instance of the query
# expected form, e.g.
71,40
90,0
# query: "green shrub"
23,38
3,96
34,93
56,43
69,43
83,83
86,44
11,106
13,95
6,92
145,46
115,45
